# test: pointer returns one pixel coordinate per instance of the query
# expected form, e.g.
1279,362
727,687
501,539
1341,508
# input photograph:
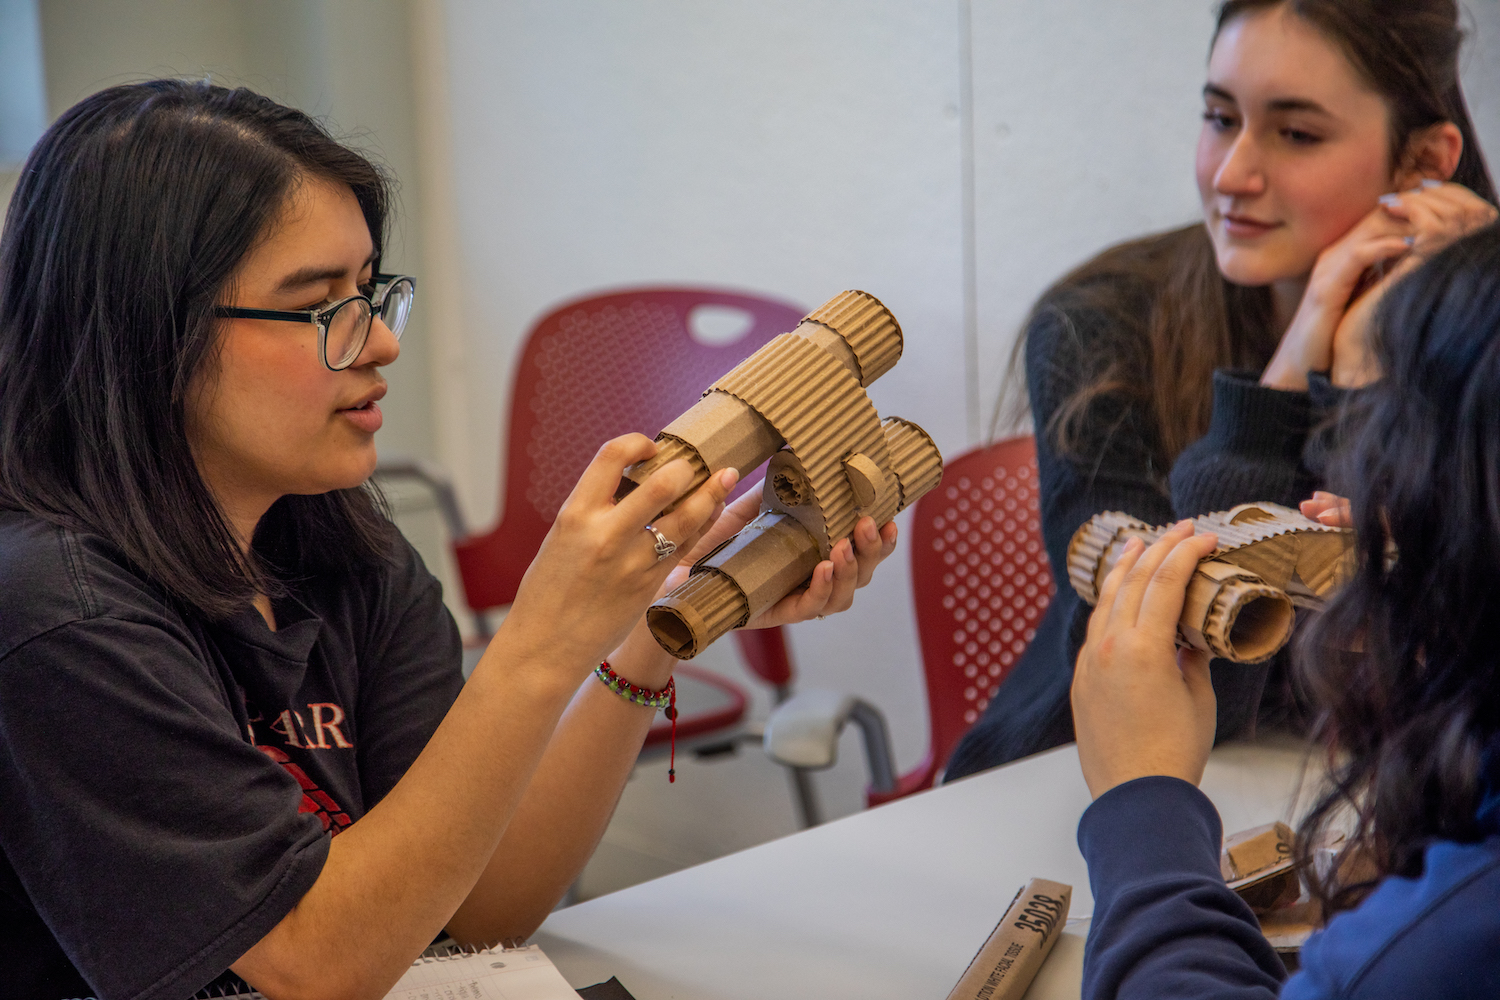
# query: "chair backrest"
590,370
981,580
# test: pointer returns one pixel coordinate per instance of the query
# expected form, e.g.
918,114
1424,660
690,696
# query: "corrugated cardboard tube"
800,403
1240,603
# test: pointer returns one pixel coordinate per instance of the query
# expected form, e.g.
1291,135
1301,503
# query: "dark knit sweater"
1259,447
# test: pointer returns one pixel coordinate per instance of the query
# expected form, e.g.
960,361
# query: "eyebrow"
1279,104
302,277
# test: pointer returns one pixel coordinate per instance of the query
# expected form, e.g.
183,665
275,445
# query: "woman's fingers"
1129,554
1132,594
1161,605
602,476
697,513
644,504
1328,508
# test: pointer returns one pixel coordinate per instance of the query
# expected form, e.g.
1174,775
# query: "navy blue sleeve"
1165,924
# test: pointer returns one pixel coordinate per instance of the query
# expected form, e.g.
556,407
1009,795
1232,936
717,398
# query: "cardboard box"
1020,943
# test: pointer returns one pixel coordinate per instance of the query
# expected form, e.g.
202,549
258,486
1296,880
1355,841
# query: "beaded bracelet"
666,698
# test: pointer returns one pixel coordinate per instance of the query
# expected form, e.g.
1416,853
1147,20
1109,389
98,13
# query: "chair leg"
808,809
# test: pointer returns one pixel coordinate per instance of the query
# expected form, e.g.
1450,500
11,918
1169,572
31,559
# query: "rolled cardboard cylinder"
1240,604
764,562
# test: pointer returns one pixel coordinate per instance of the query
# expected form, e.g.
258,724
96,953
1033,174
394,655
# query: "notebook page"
517,974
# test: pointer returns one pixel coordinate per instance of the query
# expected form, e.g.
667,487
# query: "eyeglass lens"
349,326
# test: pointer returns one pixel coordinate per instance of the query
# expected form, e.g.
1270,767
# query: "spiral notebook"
489,974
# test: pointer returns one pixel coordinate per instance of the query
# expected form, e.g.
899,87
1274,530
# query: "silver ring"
820,618
664,545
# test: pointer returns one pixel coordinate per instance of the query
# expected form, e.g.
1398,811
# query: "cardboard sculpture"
799,401
1239,605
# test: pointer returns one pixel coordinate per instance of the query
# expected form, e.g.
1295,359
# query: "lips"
1245,226
365,413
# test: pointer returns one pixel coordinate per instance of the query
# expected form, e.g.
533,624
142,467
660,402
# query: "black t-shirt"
169,786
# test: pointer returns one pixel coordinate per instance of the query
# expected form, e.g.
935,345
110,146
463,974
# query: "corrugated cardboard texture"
1239,604
1010,959
823,414
868,327
800,402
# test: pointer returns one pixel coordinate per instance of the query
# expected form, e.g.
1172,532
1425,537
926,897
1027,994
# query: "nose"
1240,172
381,346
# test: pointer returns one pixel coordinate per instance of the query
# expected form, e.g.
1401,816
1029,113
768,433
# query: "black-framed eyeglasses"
344,326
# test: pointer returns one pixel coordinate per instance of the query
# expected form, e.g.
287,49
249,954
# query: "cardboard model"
1239,604
799,401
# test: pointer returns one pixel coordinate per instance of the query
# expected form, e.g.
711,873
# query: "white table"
889,903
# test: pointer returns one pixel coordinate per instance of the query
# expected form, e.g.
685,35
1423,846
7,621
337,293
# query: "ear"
1431,154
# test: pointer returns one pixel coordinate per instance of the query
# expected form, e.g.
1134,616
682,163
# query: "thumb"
1195,673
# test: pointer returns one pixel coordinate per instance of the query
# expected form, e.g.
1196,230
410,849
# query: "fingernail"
728,478
1428,182
1390,200
1410,241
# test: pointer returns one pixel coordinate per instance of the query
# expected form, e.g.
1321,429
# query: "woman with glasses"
234,737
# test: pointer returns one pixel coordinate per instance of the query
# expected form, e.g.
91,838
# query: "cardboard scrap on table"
1258,865
1239,605
1020,943
800,402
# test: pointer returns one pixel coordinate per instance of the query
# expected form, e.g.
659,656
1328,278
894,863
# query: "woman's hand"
1332,326
834,580
1141,706
597,569
1328,508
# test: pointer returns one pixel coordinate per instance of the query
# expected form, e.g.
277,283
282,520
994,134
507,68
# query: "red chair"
981,582
590,370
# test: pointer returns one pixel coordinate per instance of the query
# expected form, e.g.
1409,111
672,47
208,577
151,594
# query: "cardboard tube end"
1262,626
672,632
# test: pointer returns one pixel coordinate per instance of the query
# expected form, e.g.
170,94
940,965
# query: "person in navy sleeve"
1403,669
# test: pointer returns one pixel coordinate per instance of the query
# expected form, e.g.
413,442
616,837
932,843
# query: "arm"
495,817
569,802
394,879
1165,924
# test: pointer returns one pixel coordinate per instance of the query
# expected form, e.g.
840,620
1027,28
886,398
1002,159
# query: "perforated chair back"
981,581
593,369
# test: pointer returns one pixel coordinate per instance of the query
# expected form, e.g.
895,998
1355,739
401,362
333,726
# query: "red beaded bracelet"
666,698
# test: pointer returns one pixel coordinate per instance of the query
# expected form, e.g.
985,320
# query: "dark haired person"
1405,680
1184,373
233,733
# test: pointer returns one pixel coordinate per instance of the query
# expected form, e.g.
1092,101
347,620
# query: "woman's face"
267,418
1295,147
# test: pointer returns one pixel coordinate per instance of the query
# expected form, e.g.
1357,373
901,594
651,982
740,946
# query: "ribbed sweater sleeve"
1260,445
1165,924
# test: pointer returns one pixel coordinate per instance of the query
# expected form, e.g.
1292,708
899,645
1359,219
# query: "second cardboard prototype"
1020,943
1239,605
800,402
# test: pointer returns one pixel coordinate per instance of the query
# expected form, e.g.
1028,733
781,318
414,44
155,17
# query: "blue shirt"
1166,925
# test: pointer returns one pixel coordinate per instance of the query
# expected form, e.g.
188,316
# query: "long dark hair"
1196,321
130,218
1403,663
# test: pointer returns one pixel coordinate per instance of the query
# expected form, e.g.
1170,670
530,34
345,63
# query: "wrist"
641,660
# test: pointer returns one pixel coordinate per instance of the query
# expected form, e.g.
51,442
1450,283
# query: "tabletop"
888,903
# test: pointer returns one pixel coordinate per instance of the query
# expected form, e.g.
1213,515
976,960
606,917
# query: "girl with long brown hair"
1188,372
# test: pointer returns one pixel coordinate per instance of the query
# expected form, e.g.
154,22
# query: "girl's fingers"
697,513
644,504
1099,620
1127,606
602,476
1161,604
